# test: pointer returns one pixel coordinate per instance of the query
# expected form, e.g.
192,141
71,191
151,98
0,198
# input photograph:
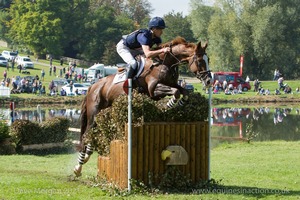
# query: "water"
42,114
257,124
228,124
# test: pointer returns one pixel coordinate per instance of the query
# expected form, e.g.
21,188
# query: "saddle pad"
120,77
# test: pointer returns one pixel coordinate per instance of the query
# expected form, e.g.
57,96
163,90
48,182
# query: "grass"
253,96
266,170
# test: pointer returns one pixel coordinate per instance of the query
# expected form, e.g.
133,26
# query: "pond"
257,124
229,124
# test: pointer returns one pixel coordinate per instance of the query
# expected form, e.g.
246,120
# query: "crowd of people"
34,84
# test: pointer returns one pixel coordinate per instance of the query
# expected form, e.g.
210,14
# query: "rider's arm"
152,53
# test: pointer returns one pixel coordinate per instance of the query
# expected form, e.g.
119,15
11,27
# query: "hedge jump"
148,142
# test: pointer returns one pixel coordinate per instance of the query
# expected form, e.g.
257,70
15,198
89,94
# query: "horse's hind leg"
83,157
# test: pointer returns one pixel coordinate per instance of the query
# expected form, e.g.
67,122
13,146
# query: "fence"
148,142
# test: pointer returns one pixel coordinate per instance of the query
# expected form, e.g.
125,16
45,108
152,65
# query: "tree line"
266,33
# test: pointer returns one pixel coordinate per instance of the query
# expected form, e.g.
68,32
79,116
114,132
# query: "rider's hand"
166,49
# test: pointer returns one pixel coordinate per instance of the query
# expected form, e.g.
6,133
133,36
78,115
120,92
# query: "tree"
177,25
199,19
35,26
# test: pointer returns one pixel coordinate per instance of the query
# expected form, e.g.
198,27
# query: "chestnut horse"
156,80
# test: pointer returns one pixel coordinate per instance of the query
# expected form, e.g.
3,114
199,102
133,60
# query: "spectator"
77,92
20,68
234,91
275,75
267,92
43,90
280,83
227,92
13,64
277,92
216,86
71,86
63,92
247,79
287,90
261,91
50,70
5,75
224,85
51,86
61,61
54,70
256,85
297,90
43,74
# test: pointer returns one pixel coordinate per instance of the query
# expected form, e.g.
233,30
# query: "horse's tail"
83,119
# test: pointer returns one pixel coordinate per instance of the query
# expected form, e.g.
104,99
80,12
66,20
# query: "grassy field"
259,170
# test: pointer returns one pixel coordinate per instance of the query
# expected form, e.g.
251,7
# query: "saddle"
122,69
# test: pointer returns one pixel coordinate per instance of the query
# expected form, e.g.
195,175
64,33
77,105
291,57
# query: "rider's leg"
132,68
128,56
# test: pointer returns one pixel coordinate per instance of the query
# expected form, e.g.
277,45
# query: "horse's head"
198,64
193,54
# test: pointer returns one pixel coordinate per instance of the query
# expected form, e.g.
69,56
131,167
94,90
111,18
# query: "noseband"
201,75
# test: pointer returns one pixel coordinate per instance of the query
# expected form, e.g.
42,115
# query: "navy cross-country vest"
131,39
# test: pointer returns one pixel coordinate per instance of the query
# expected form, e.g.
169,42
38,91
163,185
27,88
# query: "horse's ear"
199,46
205,45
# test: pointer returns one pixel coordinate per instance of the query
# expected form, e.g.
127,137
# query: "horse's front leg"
184,97
164,90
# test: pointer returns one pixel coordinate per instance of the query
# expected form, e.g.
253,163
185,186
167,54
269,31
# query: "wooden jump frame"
148,141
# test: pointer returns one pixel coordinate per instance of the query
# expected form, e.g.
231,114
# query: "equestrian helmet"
157,22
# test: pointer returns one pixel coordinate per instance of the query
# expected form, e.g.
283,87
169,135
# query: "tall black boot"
130,72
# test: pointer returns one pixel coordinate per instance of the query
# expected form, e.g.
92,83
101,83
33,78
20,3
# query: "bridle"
201,75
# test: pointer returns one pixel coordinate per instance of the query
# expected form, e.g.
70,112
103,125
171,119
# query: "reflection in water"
229,124
40,114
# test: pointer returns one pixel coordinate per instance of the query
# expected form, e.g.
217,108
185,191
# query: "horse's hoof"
77,170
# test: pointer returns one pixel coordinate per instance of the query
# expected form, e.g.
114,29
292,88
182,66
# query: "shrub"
4,131
110,122
25,132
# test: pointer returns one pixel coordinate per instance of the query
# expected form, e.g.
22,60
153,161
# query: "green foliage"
177,25
111,121
25,132
4,130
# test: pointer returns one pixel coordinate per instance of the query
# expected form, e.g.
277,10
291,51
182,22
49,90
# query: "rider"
140,42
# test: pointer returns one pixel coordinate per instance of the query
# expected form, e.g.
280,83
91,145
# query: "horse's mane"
176,41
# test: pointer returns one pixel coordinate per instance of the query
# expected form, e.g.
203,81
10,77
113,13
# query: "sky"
163,7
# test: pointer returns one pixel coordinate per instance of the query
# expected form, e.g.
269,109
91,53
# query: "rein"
171,53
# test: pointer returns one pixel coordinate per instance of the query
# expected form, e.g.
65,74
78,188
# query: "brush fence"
148,143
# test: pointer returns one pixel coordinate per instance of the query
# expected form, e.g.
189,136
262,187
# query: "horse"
157,80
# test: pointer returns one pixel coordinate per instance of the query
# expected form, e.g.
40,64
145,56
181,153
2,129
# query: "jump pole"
129,131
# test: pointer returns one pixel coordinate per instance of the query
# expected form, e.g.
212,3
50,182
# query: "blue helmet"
157,22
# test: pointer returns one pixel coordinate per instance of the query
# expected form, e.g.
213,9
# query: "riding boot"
130,72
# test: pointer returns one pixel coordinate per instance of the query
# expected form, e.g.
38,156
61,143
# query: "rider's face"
157,32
